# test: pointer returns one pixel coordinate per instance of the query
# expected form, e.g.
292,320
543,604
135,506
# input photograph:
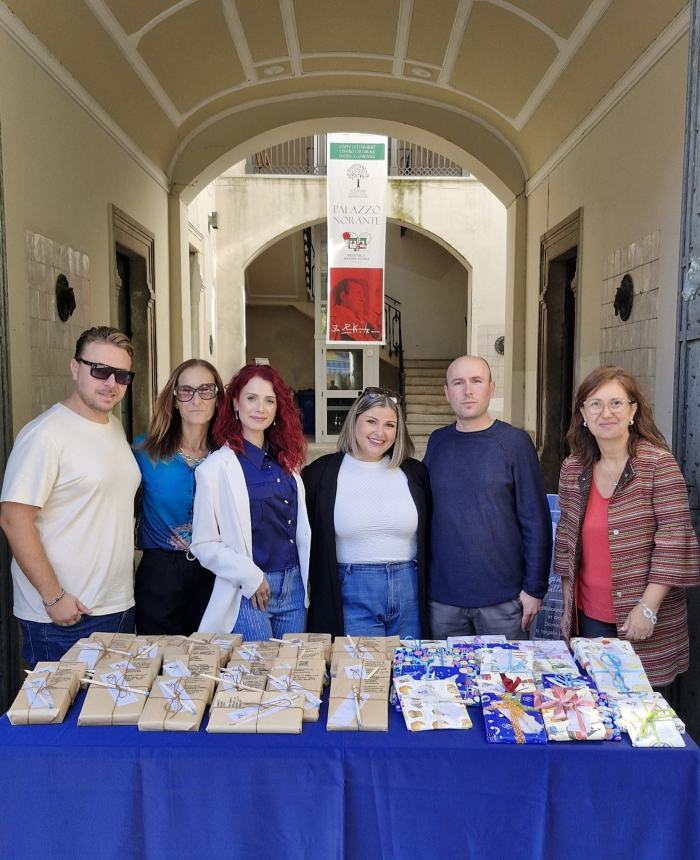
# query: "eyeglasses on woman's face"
595,405
185,393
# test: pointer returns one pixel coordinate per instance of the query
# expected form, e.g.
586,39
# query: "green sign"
358,151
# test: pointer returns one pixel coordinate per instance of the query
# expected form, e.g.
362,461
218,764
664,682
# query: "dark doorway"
556,345
133,311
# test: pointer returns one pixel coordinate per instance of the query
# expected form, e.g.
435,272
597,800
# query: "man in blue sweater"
491,536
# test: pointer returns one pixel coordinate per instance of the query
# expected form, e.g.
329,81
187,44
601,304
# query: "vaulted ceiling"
192,79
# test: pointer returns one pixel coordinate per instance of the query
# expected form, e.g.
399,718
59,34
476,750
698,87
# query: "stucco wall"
61,172
626,174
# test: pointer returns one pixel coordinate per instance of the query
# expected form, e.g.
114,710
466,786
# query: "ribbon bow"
566,703
648,723
614,666
510,685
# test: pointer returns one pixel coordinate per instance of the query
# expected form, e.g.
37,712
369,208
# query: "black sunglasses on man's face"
104,371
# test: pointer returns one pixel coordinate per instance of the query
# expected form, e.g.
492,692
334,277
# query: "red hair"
285,437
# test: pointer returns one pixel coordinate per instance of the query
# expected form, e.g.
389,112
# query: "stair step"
427,362
411,389
434,407
436,372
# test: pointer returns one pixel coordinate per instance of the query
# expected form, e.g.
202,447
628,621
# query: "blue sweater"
491,533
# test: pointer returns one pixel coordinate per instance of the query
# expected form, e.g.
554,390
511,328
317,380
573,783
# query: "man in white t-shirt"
68,506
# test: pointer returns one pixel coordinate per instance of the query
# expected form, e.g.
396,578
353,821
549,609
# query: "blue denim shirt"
273,509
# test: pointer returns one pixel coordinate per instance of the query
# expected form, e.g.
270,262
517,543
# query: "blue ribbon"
610,659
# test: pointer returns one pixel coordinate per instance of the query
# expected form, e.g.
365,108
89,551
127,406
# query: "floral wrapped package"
606,711
650,722
509,659
431,703
512,719
613,664
571,714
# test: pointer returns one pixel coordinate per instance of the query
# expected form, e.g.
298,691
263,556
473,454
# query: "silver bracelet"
54,602
647,612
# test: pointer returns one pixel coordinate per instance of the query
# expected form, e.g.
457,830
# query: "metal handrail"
394,340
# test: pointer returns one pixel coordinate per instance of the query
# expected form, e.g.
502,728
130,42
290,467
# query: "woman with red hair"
250,526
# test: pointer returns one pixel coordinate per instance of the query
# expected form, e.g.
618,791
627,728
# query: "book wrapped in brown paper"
115,697
365,648
249,674
175,705
275,713
196,660
115,663
359,697
230,700
46,694
90,652
357,712
306,683
256,650
324,639
225,641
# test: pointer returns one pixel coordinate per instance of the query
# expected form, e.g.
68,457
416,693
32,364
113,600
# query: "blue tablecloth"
94,792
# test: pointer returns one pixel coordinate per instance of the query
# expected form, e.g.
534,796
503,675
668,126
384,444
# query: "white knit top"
375,516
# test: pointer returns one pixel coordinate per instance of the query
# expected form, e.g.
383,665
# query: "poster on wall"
356,197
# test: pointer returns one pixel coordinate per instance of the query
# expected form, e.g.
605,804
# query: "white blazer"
222,538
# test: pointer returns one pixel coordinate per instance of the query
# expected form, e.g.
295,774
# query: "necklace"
191,460
611,476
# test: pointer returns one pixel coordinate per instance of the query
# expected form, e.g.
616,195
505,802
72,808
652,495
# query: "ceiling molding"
235,28
129,49
558,40
26,40
403,31
660,46
207,123
291,35
162,16
581,32
459,25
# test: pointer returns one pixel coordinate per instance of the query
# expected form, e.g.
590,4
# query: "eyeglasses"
595,406
375,393
185,393
104,371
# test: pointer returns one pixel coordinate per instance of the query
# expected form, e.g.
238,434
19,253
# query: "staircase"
426,407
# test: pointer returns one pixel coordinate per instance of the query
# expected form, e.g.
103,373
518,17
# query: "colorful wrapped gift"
550,656
508,659
652,700
175,705
650,722
431,703
512,719
489,639
571,714
607,713
504,682
46,694
115,697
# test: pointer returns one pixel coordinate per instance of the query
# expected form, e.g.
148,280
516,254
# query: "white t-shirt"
376,519
84,477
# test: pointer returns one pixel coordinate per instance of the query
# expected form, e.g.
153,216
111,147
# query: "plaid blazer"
651,540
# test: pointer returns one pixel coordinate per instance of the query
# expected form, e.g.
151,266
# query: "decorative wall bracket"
624,298
65,298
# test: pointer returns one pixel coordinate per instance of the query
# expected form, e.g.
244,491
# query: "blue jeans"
285,612
42,642
380,599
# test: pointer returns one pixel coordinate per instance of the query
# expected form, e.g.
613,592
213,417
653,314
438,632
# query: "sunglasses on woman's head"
375,393
104,371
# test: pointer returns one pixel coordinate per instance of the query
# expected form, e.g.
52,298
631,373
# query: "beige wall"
626,174
61,172
286,337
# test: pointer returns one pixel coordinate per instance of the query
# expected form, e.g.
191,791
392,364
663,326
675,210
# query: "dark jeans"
41,642
591,628
171,593
505,618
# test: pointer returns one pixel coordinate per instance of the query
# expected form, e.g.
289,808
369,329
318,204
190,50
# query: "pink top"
594,596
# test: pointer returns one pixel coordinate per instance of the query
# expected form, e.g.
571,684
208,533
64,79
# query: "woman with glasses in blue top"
369,508
172,589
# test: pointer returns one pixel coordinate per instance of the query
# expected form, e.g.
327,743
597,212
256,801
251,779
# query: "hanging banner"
356,197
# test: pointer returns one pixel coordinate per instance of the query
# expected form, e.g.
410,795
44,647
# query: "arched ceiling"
189,81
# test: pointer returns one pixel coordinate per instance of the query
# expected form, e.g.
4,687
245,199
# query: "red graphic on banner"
356,305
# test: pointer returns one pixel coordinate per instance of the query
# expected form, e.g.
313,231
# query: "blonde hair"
402,448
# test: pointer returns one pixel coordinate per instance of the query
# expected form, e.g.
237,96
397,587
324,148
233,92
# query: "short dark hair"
103,334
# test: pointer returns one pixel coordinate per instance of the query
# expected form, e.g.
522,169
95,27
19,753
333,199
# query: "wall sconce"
213,221
65,298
